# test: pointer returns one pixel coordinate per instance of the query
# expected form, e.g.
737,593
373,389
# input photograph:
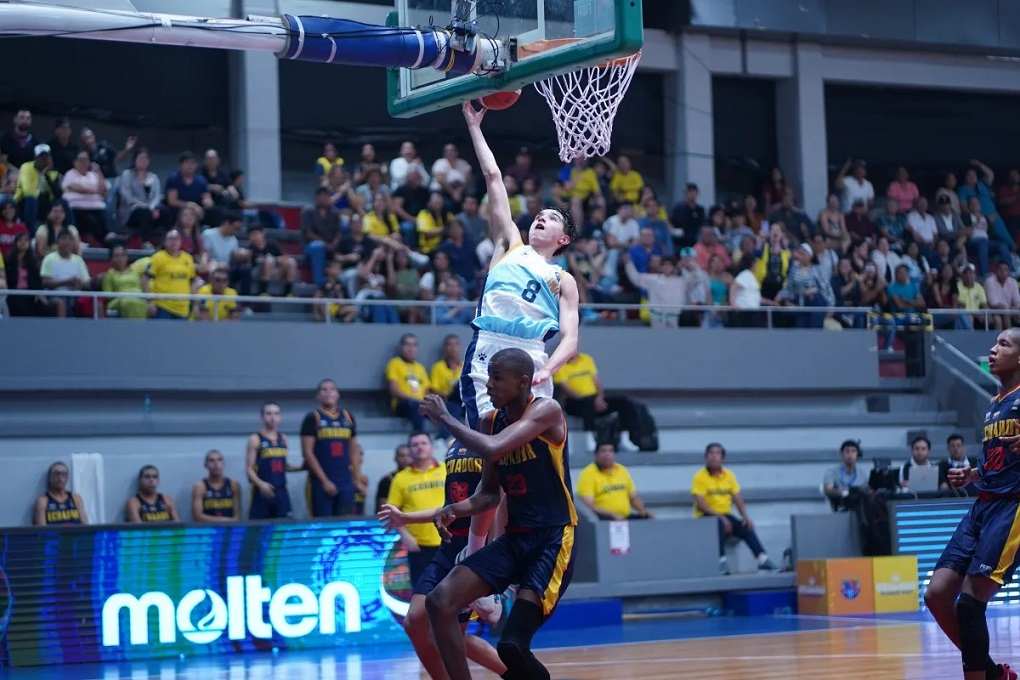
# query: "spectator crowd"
384,233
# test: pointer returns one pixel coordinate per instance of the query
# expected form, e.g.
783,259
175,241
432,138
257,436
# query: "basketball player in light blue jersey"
527,299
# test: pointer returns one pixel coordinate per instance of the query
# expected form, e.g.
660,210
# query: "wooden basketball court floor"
779,647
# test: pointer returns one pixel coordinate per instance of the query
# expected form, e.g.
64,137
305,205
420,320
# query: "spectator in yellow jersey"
970,295
445,376
408,382
120,278
432,223
217,310
382,221
716,491
58,505
606,487
582,184
38,186
584,397
421,486
626,182
327,161
171,270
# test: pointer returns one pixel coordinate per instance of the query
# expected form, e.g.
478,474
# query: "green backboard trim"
627,39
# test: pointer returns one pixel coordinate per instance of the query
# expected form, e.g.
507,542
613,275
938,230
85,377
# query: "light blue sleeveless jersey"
521,297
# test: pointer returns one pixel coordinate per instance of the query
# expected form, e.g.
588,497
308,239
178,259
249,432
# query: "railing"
764,316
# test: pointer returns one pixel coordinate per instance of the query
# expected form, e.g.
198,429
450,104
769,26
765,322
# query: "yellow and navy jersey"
333,433
536,480
157,511
271,460
999,467
463,472
65,512
521,297
219,502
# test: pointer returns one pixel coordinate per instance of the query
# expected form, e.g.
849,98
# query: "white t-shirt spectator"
398,171
1002,295
442,170
218,246
626,232
83,201
746,291
63,268
886,264
853,190
923,225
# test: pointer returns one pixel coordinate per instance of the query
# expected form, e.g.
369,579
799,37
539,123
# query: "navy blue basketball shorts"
540,559
986,541
321,504
276,507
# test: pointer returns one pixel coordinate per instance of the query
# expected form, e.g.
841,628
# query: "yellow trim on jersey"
556,455
1000,397
552,591
1009,550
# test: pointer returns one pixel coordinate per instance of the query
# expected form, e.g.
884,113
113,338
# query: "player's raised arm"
499,203
542,417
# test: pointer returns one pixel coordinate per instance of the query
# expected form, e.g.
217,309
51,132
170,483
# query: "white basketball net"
584,104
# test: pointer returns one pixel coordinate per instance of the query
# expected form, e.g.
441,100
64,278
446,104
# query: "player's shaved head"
514,361
1013,333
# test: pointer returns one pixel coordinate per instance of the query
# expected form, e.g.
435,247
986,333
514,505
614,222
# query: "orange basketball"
497,101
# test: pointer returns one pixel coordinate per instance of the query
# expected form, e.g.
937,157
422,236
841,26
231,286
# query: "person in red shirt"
10,227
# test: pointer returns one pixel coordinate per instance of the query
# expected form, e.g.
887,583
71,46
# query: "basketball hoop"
584,102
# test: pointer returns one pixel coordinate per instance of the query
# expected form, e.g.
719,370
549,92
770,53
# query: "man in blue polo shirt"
186,186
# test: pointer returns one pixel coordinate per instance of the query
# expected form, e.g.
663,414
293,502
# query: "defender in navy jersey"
266,464
215,499
328,439
467,535
149,505
982,554
58,506
526,299
526,456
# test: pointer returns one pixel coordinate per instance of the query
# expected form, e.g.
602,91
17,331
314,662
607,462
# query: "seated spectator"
904,294
806,287
624,228
653,217
664,288
885,258
708,245
370,284
642,252
970,295
859,224
333,289
18,142
826,258
695,279
22,273
584,397
328,160
120,278
688,216
171,270
408,382
917,266
102,152
217,310
948,189
719,281
320,229
148,505
872,287
366,164
381,221
462,255
1009,202
402,457
409,200
796,221
922,226
476,228
215,499
432,223
941,293
892,224
433,282
459,315
372,185
716,490
139,197
957,458
772,267
949,225
745,294
10,227
449,169
832,225
46,235
269,264
920,450
38,186
902,191
981,190
189,226
216,177
401,167
224,251
64,270
1002,293
186,186
626,183
607,488
846,478
979,245
854,187
58,506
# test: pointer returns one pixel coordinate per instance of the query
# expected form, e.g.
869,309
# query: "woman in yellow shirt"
445,377
327,161
626,183
171,270
432,223
382,221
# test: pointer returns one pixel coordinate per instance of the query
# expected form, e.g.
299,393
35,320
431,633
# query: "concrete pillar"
800,128
690,145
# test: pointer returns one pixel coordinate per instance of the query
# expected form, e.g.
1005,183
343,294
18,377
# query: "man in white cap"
806,287
38,186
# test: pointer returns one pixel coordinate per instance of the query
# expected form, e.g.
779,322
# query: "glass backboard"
552,36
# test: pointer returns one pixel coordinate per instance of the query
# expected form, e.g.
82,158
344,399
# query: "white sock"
763,558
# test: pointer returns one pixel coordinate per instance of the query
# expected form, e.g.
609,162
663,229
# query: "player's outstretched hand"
958,477
433,407
472,115
391,516
443,519
540,377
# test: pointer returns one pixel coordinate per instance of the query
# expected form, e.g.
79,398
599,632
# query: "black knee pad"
970,614
511,653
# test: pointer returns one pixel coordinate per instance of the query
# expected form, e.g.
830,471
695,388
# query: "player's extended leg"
514,646
416,625
970,615
460,588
